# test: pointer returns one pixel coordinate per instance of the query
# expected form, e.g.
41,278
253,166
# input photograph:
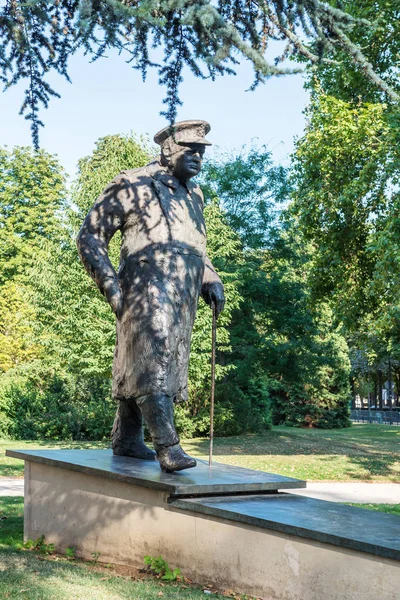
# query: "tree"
17,343
250,189
304,348
38,36
352,141
344,169
346,174
32,194
381,46
224,250
59,386
297,347
284,352
112,154
73,317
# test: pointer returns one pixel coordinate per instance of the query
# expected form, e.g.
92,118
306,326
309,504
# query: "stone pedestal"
223,525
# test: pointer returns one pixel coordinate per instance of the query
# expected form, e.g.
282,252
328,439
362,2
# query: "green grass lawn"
392,509
361,453
27,575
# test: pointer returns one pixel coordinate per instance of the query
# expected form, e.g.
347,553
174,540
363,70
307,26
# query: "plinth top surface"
218,479
330,522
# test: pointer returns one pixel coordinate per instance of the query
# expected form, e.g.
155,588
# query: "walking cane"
213,348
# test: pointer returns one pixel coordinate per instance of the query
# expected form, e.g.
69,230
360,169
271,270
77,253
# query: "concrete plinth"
259,542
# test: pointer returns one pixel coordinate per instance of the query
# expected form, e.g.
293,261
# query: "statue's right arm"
102,221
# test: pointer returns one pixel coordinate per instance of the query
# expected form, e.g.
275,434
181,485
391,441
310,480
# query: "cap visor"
201,141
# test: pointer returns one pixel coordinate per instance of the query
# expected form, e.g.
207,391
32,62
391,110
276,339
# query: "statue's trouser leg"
158,413
127,432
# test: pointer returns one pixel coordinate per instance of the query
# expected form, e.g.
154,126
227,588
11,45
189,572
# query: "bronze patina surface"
163,270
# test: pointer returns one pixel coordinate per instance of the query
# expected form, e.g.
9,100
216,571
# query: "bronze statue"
163,270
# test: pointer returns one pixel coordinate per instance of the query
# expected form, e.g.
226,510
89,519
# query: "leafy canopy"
344,170
208,37
79,323
284,352
250,188
347,169
32,192
380,45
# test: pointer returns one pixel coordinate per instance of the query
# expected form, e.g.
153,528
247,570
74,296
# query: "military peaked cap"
184,133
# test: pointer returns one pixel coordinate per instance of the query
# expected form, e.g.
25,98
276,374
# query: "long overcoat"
163,264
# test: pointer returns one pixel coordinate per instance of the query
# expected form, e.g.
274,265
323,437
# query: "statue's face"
185,161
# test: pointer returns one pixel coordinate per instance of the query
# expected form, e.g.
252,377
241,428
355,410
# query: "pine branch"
39,35
362,63
294,39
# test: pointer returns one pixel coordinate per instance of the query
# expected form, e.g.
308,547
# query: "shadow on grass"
30,576
369,449
25,575
11,521
372,466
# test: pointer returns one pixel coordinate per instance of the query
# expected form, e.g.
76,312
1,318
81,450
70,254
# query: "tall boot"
158,413
127,432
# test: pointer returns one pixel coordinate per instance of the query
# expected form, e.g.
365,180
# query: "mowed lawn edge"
368,453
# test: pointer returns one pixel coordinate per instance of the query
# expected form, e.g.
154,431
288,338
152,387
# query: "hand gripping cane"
213,349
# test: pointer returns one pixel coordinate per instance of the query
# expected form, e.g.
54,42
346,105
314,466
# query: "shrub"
36,403
237,410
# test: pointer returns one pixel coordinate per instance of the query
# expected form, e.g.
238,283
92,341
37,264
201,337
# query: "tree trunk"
380,386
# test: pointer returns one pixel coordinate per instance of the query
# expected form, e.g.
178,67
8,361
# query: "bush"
334,419
237,410
36,403
297,411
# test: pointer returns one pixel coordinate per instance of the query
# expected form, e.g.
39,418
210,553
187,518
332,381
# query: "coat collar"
167,179
161,174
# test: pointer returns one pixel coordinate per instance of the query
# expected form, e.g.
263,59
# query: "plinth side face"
124,522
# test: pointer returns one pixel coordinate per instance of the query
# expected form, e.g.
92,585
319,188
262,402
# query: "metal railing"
382,417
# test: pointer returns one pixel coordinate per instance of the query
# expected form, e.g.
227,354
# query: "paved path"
368,493
374,493
11,486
